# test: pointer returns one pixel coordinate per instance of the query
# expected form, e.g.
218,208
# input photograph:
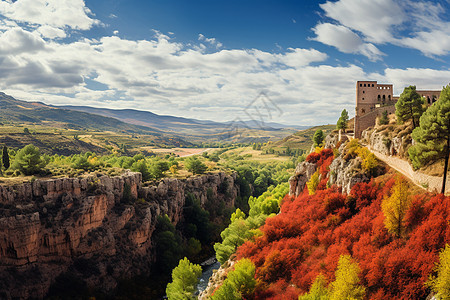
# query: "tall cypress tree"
433,135
5,158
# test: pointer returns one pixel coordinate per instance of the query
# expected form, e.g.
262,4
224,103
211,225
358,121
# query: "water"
206,274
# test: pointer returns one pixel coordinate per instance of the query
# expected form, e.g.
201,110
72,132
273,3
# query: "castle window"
363,111
360,84
389,97
364,85
379,98
372,84
384,97
364,92
363,98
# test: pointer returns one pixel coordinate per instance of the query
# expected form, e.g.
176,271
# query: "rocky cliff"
345,171
99,226
388,139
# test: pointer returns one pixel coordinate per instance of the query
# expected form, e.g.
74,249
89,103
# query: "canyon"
97,227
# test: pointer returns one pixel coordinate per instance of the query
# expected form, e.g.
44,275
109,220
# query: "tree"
342,123
384,120
440,284
410,106
239,283
395,207
318,137
313,182
346,285
432,137
28,160
184,281
194,165
26,130
5,158
318,290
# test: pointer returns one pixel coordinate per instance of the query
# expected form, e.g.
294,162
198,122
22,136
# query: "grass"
257,155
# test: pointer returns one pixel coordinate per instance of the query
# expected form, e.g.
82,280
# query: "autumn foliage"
311,233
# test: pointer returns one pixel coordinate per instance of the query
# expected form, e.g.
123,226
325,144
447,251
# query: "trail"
426,182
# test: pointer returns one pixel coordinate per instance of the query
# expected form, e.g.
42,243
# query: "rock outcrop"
303,173
93,226
386,142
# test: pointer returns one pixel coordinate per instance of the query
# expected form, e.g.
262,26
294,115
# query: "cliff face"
90,226
344,173
388,142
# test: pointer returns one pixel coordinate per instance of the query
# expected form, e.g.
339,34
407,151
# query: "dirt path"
196,153
427,182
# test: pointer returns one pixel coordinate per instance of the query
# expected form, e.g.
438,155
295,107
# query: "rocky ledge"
93,226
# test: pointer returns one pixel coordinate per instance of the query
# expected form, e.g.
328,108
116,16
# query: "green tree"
432,137
157,168
184,281
384,120
440,284
394,207
26,130
410,106
346,285
318,290
194,165
239,283
318,138
81,163
141,166
5,158
28,160
342,123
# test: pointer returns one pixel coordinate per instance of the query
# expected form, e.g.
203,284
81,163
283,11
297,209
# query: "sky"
210,59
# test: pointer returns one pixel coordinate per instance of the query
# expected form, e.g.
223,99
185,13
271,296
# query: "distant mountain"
38,113
178,125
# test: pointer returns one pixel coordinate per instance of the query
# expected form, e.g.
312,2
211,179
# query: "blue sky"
209,59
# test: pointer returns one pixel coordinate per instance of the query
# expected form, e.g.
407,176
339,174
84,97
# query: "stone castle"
373,98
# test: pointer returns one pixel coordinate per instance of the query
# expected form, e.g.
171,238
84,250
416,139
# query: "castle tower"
369,97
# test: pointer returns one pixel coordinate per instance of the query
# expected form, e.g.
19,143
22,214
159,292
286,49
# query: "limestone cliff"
91,226
389,140
344,172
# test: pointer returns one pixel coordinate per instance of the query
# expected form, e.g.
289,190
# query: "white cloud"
414,24
56,13
422,78
116,32
50,32
16,40
211,41
345,40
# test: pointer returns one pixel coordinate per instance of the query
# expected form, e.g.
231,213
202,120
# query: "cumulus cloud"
56,13
211,41
345,40
50,32
414,24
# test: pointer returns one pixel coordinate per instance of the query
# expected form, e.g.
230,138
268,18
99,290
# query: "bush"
195,166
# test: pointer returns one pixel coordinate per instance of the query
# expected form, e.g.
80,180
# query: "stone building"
373,98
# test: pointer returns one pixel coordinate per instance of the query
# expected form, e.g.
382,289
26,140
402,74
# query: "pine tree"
318,138
5,158
384,120
395,207
410,106
432,137
346,285
342,123
28,160
184,281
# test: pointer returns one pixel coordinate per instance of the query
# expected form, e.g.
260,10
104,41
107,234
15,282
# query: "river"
206,274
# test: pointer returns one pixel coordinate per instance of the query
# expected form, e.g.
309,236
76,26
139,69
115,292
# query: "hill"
198,130
301,140
62,131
